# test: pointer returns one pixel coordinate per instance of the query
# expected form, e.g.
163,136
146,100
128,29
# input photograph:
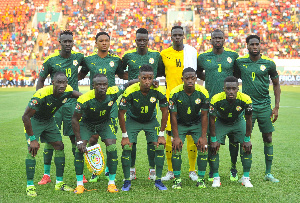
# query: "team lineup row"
218,63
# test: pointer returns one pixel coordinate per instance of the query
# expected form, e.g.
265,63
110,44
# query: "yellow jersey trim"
243,97
86,96
46,91
129,51
112,90
226,49
56,53
198,88
136,87
266,58
218,97
243,57
222,95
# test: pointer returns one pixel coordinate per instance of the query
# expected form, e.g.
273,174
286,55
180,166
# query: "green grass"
286,165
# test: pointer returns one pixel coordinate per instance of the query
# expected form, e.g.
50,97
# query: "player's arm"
214,145
34,145
120,71
40,83
236,70
76,94
125,139
164,120
161,68
202,142
247,145
76,129
200,69
177,142
277,92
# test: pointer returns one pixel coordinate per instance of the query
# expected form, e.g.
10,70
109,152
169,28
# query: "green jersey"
255,77
94,111
109,65
45,104
55,63
134,61
188,107
141,107
230,113
217,68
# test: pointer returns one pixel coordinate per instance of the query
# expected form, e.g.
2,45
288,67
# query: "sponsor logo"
238,108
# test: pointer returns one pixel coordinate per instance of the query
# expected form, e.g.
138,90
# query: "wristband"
124,135
32,138
247,139
79,142
161,134
213,139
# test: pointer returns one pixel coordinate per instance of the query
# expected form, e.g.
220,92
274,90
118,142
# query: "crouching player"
228,107
39,123
185,103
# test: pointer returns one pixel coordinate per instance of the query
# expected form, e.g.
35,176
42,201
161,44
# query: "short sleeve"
236,70
161,67
84,68
46,69
199,63
173,104
119,70
125,101
80,107
124,61
35,103
163,102
272,71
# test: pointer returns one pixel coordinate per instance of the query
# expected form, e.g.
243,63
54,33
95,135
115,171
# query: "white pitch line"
297,107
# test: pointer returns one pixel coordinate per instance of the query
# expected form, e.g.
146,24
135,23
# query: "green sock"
268,150
30,167
48,153
216,175
215,163
126,160
133,155
78,162
202,163
151,155
112,176
246,161
59,179
234,152
246,174
159,160
47,169
112,158
176,163
29,182
73,149
59,160
177,174
79,177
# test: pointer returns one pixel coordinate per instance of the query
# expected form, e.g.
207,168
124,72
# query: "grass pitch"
286,165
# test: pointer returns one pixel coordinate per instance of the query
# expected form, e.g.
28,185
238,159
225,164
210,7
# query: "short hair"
231,79
217,30
66,32
142,31
251,37
58,74
176,27
146,68
99,75
101,33
188,70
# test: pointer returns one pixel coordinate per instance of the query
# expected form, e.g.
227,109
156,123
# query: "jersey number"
229,115
144,109
253,76
102,113
178,63
220,68
103,71
68,72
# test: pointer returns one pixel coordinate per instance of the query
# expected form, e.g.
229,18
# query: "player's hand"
177,144
214,146
155,83
274,115
202,143
247,146
161,140
125,141
34,147
82,147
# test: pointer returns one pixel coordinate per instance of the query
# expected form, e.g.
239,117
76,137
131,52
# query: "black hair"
58,73
217,30
146,68
188,70
99,75
231,79
176,27
251,37
66,32
102,33
142,31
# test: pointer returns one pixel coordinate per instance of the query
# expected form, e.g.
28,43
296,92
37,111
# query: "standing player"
255,69
186,102
140,100
218,64
173,59
39,123
226,118
67,61
133,60
104,63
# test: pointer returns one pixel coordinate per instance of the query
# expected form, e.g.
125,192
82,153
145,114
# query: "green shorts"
150,128
47,130
64,115
263,117
104,130
236,130
195,131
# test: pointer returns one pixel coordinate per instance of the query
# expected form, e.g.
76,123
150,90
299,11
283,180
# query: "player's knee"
58,145
177,153
202,153
127,148
111,148
48,146
29,156
160,147
267,137
72,139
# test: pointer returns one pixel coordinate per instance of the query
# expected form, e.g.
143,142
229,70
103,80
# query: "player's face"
177,36
100,85
66,42
103,43
253,47
189,80
231,89
217,40
60,84
141,40
146,80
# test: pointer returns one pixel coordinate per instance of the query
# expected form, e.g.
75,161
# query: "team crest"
111,64
78,107
262,68
151,60
110,103
65,100
238,108
229,60
198,101
152,99
75,62
34,102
